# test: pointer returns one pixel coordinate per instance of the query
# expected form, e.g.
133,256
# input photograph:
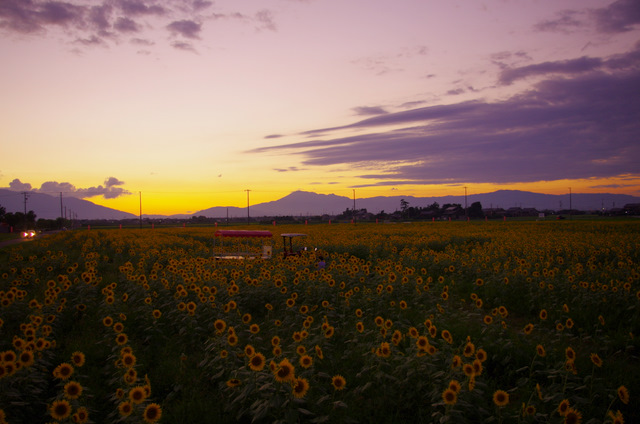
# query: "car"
29,234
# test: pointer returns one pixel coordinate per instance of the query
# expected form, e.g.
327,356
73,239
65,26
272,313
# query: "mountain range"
304,203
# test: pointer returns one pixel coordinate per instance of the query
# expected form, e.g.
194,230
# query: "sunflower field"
461,322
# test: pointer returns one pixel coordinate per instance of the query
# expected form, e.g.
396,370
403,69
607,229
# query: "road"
14,241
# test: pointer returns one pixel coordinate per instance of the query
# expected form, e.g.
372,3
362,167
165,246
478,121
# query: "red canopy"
243,233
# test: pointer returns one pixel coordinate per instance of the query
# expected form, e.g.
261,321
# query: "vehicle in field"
243,244
29,234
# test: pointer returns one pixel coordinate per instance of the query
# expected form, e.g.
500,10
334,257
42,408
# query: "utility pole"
247,205
140,193
570,205
466,213
61,216
26,196
354,205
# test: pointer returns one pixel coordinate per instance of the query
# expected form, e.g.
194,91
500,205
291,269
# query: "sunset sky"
193,102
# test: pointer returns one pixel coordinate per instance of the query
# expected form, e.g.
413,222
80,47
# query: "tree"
475,210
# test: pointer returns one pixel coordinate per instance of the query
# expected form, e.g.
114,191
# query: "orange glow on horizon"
185,202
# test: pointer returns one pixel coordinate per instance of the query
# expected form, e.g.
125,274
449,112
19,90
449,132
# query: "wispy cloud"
186,28
617,17
90,23
582,127
369,110
110,189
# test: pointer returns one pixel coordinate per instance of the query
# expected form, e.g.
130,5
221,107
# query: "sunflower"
450,397
500,397
477,367
122,339
384,350
137,395
468,370
219,325
257,362
285,371
422,342
78,359
300,387
26,358
72,390
128,360
81,416
319,353
232,339
540,350
125,408
456,361
528,329
543,314
306,361
118,327
488,319
570,354
623,394
152,413
107,321
60,410
233,382
275,341
563,407
63,371
338,382
469,349
156,313
596,360
246,318
329,332
573,416
249,350
455,386
359,326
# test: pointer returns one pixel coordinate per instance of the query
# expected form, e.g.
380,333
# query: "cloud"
110,189
617,17
289,169
586,126
266,20
18,185
140,8
568,67
126,25
103,22
369,110
566,21
186,28
182,45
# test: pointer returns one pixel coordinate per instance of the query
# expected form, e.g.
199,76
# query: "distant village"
18,221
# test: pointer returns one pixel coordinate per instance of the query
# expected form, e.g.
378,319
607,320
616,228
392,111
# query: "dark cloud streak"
581,127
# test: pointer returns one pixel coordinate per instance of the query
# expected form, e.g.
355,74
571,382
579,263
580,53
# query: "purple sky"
193,100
